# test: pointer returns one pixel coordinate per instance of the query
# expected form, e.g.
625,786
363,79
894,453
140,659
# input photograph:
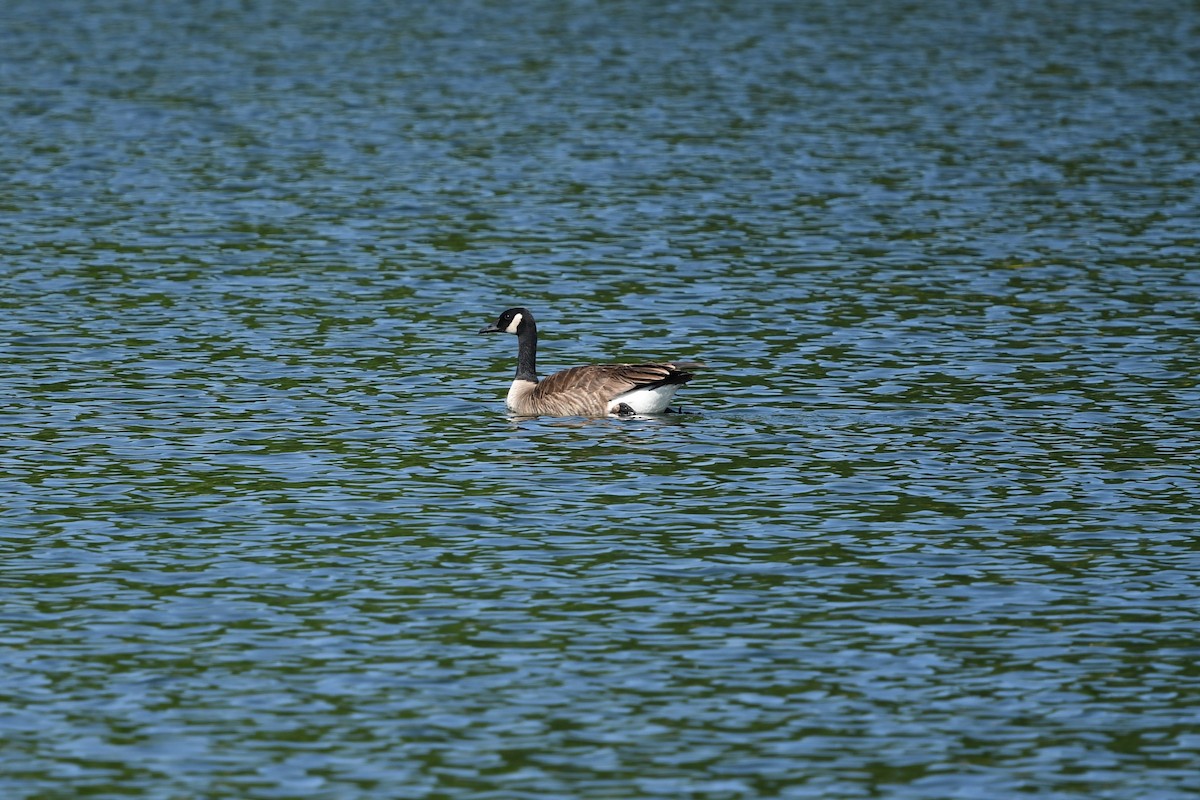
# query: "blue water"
924,529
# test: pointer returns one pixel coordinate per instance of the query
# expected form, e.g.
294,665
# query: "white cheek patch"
512,326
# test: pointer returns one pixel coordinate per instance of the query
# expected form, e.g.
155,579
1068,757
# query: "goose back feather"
597,390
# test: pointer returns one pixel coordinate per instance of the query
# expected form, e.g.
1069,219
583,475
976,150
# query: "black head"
514,320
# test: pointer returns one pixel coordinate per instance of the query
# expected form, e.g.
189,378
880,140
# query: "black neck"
527,352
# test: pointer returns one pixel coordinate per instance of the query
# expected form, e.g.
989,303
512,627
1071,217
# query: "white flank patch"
516,323
645,401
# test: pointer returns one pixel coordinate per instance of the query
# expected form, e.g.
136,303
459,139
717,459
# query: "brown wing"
587,391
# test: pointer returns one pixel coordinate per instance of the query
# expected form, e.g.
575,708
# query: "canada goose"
592,391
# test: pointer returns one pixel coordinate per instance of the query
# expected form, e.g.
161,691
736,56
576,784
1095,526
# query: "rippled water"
925,529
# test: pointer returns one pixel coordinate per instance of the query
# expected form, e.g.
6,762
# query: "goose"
596,390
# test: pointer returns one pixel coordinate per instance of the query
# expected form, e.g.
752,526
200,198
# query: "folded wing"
589,390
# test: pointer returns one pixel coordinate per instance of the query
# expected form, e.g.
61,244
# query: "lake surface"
926,527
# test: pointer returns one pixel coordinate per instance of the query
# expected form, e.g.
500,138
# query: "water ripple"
924,529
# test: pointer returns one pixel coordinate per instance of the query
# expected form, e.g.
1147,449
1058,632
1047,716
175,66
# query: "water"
925,529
